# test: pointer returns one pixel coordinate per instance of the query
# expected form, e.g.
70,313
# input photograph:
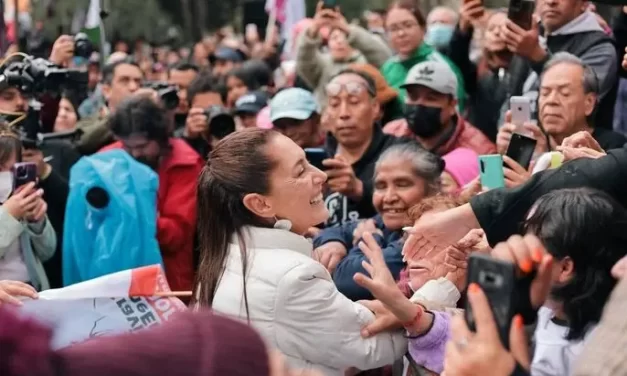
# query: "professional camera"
34,78
168,93
38,76
221,122
83,46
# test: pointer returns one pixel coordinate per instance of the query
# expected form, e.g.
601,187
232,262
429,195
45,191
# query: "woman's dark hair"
237,166
75,98
255,74
10,144
411,6
140,115
590,228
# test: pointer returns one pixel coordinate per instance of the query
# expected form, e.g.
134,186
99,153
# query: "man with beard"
141,126
431,115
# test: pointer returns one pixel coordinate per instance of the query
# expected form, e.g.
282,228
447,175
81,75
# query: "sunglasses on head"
352,88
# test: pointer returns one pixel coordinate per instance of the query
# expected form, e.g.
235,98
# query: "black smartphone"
315,156
521,13
329,4
24,173
497,279
521,149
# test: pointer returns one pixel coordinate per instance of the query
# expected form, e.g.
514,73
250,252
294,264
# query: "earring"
282,224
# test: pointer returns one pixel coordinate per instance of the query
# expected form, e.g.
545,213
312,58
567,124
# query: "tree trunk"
201,14
188,20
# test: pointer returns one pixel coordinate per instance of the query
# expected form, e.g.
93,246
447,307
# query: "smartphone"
521,13
520,108
498,281
491,171
521,149
329,4
24,173
315,156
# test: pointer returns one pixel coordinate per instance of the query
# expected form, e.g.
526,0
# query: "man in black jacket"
354,145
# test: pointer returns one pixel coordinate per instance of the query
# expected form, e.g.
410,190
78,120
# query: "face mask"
6,185
424,121
439,35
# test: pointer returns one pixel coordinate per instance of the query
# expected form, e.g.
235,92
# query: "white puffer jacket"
295,306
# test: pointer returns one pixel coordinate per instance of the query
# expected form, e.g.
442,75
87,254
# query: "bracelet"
410,324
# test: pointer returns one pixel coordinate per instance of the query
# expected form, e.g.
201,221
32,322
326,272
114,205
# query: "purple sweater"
428,350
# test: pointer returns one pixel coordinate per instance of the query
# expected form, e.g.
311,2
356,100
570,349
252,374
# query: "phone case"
24,173
520,108
491,171
521,149
315,156
497,279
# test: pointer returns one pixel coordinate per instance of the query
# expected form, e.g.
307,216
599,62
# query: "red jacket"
465,136
176,206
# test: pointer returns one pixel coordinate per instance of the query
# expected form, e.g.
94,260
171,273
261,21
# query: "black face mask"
424,121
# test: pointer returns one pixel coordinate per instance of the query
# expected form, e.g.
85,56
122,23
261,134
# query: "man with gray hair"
567,103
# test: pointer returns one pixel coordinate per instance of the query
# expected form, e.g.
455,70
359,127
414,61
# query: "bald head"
442,15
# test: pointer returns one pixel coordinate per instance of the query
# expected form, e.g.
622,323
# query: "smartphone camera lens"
21,172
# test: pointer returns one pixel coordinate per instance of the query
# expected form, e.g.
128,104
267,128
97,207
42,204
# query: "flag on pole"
117,303
92,22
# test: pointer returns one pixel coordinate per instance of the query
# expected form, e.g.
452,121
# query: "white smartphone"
520,107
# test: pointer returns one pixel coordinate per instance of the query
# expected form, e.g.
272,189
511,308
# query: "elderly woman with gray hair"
404,175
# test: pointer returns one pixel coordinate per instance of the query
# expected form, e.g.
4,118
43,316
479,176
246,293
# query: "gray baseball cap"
436,75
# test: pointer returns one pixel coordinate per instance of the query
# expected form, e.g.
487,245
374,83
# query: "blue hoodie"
391,244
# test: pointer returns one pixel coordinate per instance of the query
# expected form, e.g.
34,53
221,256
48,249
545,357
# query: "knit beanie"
192,344
462,164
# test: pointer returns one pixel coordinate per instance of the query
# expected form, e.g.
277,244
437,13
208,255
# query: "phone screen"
521,149
521,13
315,156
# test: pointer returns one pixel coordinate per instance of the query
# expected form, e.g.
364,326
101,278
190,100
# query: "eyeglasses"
352,88
403,26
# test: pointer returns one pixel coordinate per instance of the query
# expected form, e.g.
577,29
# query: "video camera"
167,93
35,77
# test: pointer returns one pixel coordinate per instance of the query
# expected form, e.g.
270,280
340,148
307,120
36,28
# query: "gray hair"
424,164
590,80
451,12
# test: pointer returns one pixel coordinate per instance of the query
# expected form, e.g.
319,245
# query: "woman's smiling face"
396,189
295,186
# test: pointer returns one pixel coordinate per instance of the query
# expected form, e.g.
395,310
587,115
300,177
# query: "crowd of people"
331,195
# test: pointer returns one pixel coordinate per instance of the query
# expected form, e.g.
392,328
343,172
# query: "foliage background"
157,20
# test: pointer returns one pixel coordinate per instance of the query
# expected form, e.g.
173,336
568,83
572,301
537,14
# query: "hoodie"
586,39
341,208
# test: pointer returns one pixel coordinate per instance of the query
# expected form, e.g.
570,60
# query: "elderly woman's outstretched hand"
581,145
10,291
438,230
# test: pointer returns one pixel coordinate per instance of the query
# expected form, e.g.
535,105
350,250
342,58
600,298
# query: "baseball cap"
293,103
436,75
227,54
251,103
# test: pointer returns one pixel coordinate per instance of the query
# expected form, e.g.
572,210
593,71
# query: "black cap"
251,103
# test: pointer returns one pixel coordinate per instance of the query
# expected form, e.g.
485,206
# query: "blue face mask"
439,35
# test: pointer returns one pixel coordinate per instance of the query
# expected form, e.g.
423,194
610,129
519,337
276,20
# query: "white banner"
113,304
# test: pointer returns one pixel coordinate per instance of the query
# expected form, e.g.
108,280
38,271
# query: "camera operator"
141,126
207,121
27,237
181,75
119,80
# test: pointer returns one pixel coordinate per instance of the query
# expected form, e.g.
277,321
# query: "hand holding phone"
521,13
26,203
24,173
